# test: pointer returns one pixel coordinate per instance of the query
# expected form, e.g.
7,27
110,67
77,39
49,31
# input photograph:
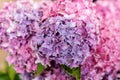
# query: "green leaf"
67,69
17,77
4,77
11,73
6,67
39,70
75,72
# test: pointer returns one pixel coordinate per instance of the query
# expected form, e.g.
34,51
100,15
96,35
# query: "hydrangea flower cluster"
105,62
33,36
19,23
67,41
70,32
68,35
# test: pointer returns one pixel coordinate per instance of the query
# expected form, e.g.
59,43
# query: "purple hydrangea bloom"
67,41
52,31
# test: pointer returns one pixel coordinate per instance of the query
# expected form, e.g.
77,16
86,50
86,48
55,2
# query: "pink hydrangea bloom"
104,64
19,22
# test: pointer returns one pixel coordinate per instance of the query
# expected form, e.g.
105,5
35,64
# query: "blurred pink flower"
104,63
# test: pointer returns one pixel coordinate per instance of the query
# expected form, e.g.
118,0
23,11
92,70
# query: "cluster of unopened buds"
72,33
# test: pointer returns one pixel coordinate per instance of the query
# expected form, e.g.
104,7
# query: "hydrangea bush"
52,40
